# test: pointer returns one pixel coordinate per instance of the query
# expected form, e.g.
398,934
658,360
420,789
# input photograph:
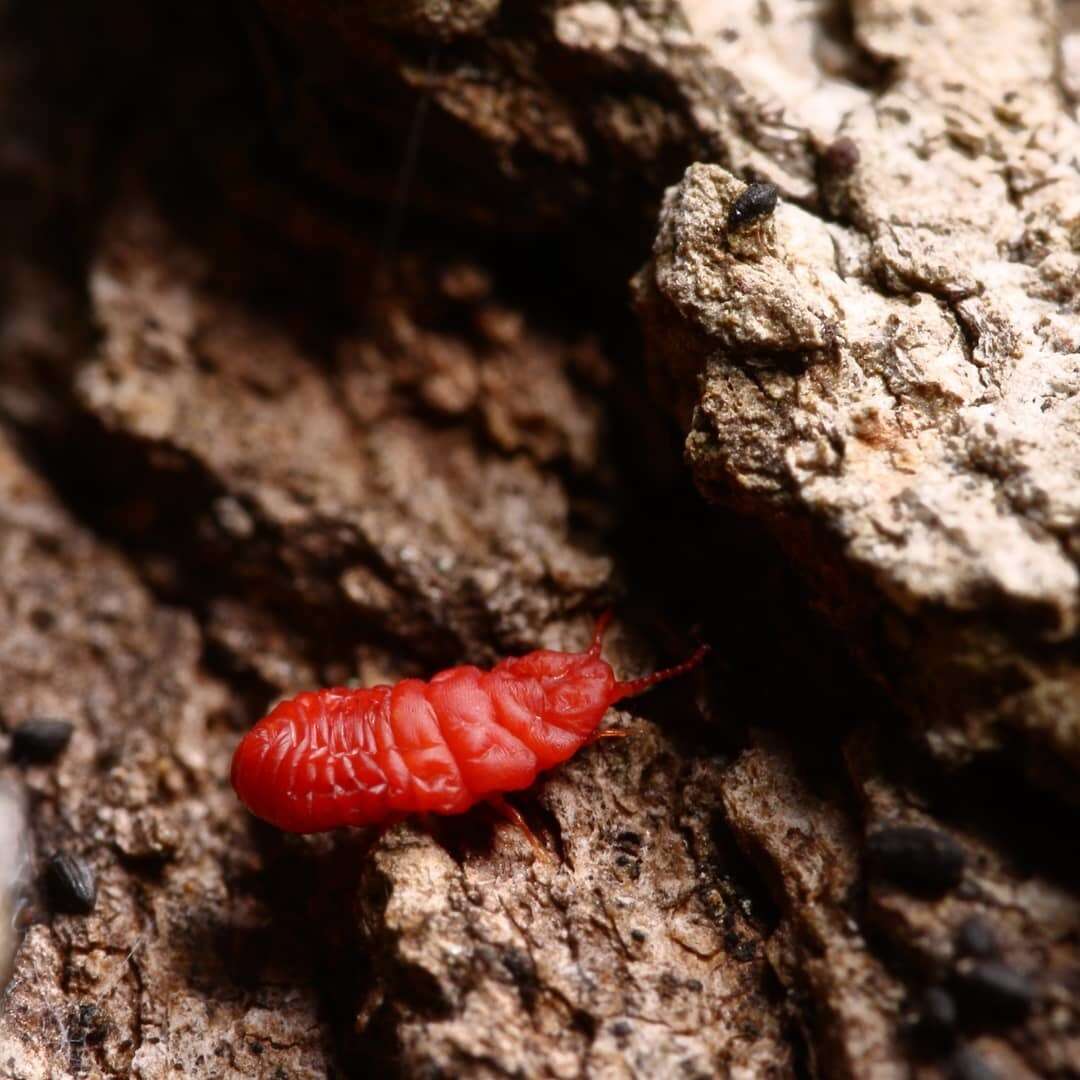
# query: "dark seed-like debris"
40,740
975,937
919,860
966,1064
935,1023
841,155
757,201
71,884
993,993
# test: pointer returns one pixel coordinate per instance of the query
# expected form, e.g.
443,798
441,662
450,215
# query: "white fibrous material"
14,868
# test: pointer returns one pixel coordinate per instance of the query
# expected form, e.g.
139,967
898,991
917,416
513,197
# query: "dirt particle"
994,993
71,884
40,740
917,859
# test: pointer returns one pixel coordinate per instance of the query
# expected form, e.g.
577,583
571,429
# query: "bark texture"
316,364
895,390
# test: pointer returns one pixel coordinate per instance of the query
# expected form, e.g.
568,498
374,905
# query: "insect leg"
608,733
514,817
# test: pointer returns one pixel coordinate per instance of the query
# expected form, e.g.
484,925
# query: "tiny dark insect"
40,740
71,884
326,759
918,859
757,201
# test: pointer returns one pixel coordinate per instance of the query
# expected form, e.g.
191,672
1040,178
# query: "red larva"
339,757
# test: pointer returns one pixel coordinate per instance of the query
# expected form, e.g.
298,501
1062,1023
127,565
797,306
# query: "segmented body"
339,757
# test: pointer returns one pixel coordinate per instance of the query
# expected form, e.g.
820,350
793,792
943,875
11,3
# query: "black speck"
695,986
841,156
638,935
920,860
975,937
256,1048
757,201
88,1024
993,993
966,1064
584,1022
629,838
523,971
41,739
71,884
739,948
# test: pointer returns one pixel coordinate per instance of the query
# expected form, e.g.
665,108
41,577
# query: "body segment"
350,757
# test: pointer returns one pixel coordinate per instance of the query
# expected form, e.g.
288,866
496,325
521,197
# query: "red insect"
330,758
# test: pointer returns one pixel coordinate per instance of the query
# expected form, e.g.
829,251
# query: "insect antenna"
395,219
647,682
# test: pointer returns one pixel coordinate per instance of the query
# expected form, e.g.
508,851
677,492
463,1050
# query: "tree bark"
318,366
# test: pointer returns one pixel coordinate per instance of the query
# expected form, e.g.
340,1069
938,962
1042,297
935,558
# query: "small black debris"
88,1024
523,971
918,859
841,156
71,884
975,937
757,201
739,948
966,1064
935,1022
993,993
40,740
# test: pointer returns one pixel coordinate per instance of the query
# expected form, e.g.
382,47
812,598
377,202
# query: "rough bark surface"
316,365
896,391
